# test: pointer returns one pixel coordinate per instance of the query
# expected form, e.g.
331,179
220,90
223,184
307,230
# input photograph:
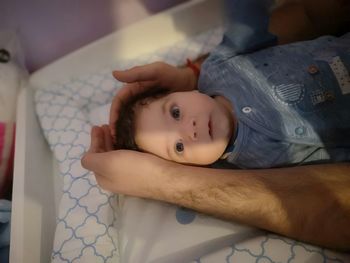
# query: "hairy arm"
308,203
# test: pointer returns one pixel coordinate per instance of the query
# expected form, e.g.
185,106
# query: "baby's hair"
125,125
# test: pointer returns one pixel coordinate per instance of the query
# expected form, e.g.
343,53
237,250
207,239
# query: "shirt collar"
231,145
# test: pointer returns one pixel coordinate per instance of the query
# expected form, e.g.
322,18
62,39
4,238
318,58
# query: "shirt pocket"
320,88
308,88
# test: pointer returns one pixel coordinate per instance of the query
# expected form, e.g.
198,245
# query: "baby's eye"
175,112
179,147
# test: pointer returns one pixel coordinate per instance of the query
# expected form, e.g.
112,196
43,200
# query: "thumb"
148,72
95,162
125,75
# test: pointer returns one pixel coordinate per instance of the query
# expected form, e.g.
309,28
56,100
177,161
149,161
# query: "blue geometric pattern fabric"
87,221
272,248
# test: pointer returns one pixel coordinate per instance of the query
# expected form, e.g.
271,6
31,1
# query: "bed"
51,219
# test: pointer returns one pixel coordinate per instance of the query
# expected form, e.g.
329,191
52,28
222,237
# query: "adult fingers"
96,162
97,140
140,73
131,89
108,142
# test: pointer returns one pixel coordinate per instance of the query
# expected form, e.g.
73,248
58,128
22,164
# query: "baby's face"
186,127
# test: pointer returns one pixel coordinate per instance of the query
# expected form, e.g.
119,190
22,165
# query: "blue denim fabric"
247,25
291,105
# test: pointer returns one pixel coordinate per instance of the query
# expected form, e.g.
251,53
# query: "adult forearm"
298,20
309,203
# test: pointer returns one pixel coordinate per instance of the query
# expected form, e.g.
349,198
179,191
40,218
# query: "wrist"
192,79
194,68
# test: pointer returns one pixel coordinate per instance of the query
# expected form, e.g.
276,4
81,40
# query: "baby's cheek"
205,154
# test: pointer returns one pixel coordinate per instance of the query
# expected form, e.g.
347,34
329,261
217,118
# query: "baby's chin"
199,161
208,160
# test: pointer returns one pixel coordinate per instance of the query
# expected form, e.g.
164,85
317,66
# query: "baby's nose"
192,129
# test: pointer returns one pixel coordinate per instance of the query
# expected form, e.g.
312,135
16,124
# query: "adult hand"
141,78
126,172
101,142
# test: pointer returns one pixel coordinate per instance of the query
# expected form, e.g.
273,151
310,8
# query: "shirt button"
312,69
329,96
300,130
247,109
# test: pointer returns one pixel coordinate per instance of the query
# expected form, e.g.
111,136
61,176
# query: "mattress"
147,231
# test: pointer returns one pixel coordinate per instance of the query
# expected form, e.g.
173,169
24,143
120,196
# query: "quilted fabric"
87,222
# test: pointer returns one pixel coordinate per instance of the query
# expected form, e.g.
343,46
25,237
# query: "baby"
191,127
258,104
186,127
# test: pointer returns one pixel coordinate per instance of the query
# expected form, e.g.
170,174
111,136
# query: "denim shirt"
292,101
